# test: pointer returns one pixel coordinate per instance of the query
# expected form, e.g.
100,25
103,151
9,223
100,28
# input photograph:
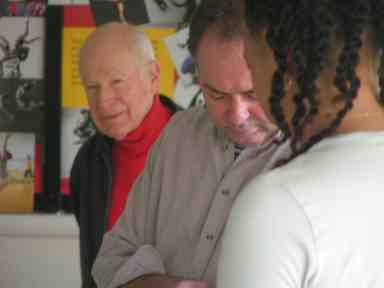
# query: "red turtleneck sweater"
129,156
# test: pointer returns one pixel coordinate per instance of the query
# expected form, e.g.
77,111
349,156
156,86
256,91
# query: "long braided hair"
300,33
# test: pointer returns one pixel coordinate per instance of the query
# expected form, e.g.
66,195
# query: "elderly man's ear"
155,76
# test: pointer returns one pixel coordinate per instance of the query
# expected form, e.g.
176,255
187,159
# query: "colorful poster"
68,2
16,172
168,75
74,35
78,24
139,11
30,8
72,88
73,94
187,91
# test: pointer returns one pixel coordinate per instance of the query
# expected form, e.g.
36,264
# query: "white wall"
38,251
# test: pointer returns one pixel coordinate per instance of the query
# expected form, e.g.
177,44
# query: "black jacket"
91,185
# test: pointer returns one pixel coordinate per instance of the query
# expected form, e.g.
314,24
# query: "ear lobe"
155,70
155,76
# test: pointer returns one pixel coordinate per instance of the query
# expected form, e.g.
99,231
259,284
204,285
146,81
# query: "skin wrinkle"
228,90
120,88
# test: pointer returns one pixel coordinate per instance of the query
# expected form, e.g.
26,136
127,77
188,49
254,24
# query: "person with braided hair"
315,220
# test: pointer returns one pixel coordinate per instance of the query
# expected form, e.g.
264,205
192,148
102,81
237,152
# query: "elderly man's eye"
117,81
92,89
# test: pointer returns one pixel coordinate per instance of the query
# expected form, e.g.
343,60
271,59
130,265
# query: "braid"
346,80
299,61
300,30
278,91
314,43
279,41
301,109
322,25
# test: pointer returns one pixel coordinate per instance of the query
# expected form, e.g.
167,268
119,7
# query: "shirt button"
226,192
209,237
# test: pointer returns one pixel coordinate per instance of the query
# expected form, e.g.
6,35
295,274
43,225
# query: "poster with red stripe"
78,24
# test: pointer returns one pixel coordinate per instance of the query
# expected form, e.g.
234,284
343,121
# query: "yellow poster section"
73,94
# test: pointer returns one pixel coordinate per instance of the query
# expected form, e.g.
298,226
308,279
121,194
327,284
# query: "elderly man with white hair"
121,78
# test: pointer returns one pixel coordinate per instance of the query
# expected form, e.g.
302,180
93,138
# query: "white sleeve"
268,241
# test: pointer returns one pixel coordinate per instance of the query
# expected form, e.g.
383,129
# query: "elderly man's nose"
104,97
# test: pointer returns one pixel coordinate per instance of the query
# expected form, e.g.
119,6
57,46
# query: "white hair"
123,35
144,45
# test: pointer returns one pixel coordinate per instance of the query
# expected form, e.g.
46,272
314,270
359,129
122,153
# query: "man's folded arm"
127,252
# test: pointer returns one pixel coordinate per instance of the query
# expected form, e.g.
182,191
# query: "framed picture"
17,154
21,47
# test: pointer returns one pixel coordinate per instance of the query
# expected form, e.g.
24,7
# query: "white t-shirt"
315,222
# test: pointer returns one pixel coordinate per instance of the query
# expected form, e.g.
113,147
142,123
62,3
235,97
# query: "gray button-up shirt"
177,210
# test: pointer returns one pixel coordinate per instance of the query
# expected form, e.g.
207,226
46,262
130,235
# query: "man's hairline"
219,36
140,57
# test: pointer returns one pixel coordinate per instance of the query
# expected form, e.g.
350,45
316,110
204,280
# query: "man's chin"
120,132
116,135
256,138
250,142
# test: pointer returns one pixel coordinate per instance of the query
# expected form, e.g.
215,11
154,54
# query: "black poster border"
49,199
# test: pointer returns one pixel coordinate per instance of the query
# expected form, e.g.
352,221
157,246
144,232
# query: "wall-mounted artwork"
166,11
187,92
21,47
68,2
21,104
30,8
140,11
76,128
17,171
74,35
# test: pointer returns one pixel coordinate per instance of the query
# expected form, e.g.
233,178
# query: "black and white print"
76,128
21,104
21,47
